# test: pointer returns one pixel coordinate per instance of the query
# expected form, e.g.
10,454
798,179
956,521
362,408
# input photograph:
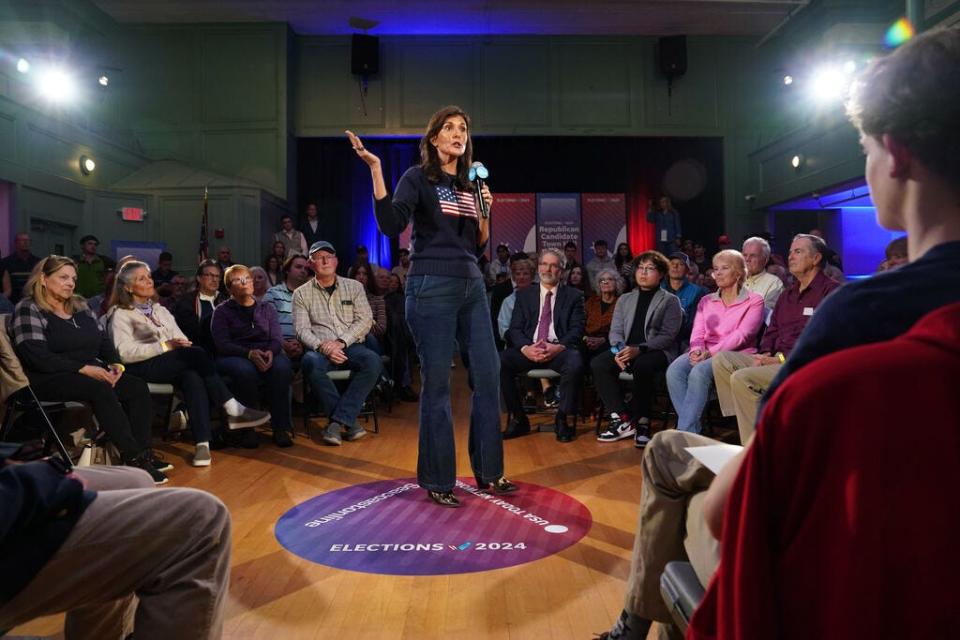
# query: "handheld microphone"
479,173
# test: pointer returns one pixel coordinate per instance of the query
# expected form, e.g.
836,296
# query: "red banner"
513,220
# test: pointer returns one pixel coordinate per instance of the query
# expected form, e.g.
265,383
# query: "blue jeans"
365,365
689,386
441,312
245,380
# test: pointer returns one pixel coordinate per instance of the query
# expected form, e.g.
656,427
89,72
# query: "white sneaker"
619,429
201,457
178,420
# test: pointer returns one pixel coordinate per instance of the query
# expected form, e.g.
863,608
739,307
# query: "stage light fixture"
23,65
104,80
849,67
56,85
788,80
87,165
829,85
797,161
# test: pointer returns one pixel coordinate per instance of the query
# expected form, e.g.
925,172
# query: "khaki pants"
671,525
740,385
168,547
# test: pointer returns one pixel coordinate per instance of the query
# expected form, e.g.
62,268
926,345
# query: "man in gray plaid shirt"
331,317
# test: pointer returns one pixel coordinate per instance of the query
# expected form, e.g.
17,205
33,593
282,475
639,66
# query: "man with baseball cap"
331,317
676,283
92,268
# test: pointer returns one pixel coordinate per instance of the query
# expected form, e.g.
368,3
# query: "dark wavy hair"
430,161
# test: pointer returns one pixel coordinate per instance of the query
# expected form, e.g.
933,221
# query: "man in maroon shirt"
741,378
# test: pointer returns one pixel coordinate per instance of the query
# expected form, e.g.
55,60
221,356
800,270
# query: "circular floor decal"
392,527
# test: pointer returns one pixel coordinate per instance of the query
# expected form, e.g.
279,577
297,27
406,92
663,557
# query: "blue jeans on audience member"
373,343
689,386
365,365
441,312
245,380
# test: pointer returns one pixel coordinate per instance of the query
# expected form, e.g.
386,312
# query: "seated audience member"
281,297
362,256
522,275
623,261
810,506
645,326
700,258
260,282
741,378
723,243
679,284
154,349
164,272
246,334
545,332
100,303
756,253
66,356
727,320
178,287
279,250
896,254
401,269
571,254
499,265
116,555
900,160
273,266
499,293
224,262
399,341
781,273
601,260
332,317
374,339
293,241
599,310
195,309
577,278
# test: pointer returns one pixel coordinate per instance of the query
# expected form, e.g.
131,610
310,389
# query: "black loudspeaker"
364,55
673,56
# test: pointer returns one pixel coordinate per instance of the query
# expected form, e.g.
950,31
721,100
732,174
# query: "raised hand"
362,152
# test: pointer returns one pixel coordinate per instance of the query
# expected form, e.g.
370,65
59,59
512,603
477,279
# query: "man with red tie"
545,330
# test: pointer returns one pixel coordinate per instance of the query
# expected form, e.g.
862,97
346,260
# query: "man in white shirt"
756,251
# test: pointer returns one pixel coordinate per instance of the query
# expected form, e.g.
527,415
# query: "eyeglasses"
242,280
605,280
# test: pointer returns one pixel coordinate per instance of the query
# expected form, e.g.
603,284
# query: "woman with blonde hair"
67,357
727,320
154,348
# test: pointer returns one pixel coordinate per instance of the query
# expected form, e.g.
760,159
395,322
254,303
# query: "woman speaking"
446,301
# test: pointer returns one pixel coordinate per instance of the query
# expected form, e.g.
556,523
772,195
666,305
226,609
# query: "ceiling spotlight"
23,65
849,67
797,161
87,165
103,80
56,85
788,80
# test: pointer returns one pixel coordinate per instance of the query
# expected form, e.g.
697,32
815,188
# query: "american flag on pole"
204,245
456,203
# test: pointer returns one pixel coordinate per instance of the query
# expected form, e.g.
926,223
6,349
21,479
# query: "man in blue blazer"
545,332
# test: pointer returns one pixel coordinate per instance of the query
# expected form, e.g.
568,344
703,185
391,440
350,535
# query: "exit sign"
133,214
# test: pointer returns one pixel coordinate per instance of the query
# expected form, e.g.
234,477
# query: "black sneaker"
143,462
158,462
642,437
282,438
551,397
620,428
627,627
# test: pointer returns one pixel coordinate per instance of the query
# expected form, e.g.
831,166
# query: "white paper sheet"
714,456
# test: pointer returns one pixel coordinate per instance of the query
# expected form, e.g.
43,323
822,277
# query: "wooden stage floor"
275,594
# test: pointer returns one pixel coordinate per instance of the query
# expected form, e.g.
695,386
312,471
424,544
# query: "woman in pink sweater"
727,320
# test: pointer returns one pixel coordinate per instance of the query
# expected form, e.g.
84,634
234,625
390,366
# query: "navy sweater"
444,237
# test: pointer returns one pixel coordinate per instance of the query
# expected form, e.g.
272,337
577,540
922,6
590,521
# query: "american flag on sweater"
456,203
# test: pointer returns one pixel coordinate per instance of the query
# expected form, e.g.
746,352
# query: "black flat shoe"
499,487
444,498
